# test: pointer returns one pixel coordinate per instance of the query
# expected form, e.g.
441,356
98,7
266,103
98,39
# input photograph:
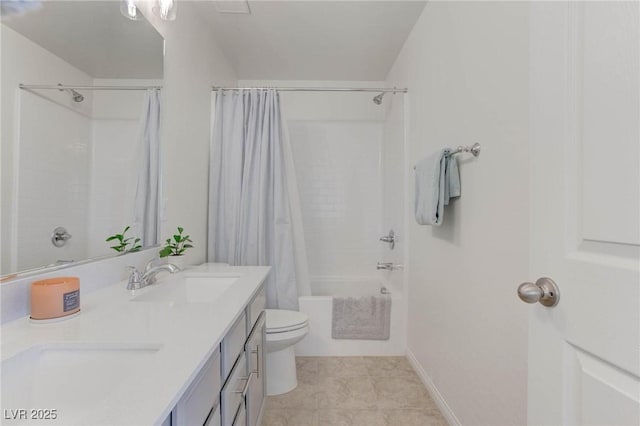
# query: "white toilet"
284,329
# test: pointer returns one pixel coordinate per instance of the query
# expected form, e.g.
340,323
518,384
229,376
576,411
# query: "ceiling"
94,37
314,40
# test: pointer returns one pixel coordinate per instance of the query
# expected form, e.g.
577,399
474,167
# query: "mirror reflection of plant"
123,242
176,246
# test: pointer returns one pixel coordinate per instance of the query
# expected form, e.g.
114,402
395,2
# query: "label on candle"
71,300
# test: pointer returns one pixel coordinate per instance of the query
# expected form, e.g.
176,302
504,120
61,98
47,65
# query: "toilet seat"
282,321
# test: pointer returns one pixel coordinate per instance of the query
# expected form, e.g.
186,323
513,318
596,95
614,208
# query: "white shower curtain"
251,193
147,198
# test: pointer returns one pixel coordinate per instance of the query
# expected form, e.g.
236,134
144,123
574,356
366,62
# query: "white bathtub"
319,308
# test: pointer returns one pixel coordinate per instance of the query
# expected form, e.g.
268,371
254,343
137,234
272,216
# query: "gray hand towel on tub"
362,318
437,181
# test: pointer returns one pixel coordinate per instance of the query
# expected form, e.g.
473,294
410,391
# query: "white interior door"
584,353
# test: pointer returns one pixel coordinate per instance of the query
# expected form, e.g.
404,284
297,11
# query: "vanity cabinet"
214,418
234,391
241,418
230,390
201,396
233,344
244,392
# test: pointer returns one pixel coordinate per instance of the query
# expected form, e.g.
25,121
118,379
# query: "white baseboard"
446,411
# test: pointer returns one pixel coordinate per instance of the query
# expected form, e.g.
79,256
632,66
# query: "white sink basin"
189,288
74,378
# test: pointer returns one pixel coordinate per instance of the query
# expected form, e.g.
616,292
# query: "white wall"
466,64
192,64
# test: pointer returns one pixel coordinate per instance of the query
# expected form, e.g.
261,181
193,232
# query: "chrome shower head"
77,97
378,99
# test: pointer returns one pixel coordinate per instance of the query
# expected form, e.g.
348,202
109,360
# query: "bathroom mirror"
75,159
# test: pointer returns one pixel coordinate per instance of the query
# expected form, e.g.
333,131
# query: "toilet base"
281,368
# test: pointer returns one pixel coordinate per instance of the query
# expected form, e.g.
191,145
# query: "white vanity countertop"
185,333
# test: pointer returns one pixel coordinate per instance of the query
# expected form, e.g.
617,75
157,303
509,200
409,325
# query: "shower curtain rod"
64,86
320,89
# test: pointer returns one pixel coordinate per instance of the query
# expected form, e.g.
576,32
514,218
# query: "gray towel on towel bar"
437,181
362,318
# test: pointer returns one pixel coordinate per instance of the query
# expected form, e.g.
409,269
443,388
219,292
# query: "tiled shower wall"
337,144
395,171
45,152
53,180
340,194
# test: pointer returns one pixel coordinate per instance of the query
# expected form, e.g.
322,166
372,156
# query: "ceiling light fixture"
233,6
166,9
129,10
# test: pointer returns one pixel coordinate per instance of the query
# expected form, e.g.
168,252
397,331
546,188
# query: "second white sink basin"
73,378
189,288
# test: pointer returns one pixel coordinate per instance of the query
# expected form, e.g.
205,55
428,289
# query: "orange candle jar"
55,297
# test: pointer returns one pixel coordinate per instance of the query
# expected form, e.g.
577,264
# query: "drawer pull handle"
247,381
256,352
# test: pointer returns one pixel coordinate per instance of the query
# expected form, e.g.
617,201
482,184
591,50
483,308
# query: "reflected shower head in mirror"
77,97
378,99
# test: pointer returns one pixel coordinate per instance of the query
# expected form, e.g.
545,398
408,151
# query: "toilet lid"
279,320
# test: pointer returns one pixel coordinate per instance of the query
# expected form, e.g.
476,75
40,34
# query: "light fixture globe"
166,9
129,10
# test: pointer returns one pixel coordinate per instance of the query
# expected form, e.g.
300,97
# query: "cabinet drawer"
254,351
256,307
233,344
202,396
234,390
167,421
214,418
241,418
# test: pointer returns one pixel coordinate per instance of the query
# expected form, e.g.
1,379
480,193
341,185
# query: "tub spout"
389,266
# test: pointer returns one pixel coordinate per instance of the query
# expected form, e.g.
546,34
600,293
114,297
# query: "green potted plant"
125,244
175,247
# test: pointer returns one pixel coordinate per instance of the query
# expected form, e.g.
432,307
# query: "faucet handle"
151,264
135,279
390,238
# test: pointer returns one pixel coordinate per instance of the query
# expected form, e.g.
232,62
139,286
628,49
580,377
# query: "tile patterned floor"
354,391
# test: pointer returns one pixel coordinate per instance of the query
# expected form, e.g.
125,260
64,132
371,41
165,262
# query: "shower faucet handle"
60,236
390,238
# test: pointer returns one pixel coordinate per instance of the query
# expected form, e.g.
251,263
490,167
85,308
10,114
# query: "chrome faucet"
149,277
139,280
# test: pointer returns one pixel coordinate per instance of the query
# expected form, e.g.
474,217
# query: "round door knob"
544,291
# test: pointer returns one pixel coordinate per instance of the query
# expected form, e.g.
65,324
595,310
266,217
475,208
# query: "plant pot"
179,261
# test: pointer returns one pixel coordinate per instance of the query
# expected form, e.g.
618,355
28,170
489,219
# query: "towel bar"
473,149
